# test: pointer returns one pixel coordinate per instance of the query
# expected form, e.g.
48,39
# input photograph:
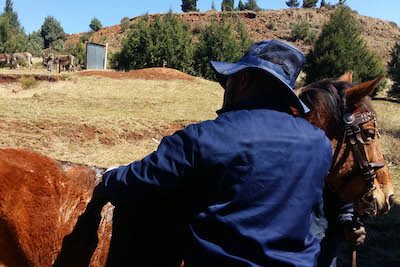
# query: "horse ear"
347,77
356,93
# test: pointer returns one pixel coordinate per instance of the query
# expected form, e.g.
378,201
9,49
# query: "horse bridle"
352,131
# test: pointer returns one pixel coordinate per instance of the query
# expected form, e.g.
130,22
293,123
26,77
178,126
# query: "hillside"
379,35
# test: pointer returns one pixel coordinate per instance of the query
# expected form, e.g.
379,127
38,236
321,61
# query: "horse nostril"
391,200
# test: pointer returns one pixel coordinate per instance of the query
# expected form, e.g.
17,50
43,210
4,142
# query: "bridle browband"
352,132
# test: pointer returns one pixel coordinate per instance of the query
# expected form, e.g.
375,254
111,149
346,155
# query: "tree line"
168,41
229,5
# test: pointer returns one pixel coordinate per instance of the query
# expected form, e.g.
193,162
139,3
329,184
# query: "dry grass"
28,82
107,122
96,121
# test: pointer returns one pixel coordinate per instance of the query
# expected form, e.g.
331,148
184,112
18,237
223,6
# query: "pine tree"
252,5
213,6
292,3
50,30
95,24
225,40
189,5
241,6
309,3
11,14
340,48
151,43
227,5
12,36
394,71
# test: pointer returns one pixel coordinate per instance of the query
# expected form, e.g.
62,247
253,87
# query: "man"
244,184
334,224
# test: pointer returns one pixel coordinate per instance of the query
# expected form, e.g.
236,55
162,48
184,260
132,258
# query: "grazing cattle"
18,57
66,61
4,57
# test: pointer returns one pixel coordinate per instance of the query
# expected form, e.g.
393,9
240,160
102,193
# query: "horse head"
344,111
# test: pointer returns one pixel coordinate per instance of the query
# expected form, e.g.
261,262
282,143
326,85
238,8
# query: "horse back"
40,202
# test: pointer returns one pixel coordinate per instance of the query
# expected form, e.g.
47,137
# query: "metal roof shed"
96,56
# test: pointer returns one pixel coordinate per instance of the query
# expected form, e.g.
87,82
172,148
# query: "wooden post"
105,57
354,259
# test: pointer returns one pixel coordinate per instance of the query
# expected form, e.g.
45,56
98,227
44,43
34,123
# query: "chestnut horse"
40,202
344,111
45,218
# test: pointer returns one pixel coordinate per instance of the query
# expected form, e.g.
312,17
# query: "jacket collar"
259,104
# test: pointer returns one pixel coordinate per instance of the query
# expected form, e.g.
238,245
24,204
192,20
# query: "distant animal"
20,57
43,55
4,57
48,62
66,61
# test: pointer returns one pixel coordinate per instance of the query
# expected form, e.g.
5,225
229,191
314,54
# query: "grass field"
107,122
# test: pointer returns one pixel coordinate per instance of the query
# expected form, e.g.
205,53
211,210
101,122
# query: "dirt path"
165,74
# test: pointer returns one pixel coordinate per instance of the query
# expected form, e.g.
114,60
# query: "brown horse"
40,202
41,199
358,173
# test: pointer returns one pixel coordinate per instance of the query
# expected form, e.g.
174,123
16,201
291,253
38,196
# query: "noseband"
353,134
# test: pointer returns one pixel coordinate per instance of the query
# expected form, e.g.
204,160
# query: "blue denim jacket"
247,183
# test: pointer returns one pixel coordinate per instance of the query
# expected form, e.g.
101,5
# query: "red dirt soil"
164,74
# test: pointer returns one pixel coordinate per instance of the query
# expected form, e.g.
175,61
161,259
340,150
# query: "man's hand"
355,237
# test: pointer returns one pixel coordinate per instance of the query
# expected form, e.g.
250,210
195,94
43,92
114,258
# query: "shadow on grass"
387,99
393,133
382,246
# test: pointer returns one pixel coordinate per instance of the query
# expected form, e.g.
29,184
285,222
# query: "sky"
75,15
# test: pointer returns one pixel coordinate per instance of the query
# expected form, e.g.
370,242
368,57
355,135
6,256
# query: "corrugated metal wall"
94,56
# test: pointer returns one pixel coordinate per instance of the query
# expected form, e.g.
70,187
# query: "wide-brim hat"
279,59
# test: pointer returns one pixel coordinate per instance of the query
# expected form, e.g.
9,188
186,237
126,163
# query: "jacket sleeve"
163,170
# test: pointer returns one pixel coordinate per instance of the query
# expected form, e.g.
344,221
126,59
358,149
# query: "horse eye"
369,133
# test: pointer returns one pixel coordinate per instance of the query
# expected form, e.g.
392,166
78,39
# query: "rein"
352,132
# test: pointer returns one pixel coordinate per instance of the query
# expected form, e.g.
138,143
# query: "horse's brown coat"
40,202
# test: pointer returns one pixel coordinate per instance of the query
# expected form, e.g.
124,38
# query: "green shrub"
300,30
189,5
198,29
28,82
394,71
225,40
50,30
340,48
58,45
151,43
95,24
312,37
271,26
309,3
394,24
125,23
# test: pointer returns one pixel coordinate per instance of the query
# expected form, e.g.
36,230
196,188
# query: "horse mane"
328,97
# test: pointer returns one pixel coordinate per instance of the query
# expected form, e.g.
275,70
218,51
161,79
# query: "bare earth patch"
165,74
